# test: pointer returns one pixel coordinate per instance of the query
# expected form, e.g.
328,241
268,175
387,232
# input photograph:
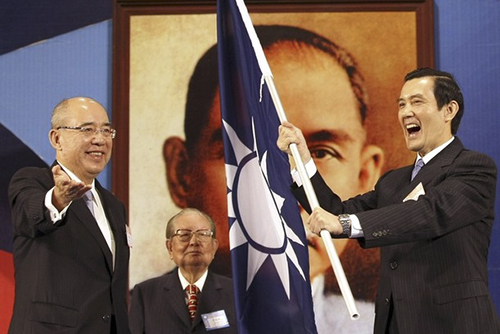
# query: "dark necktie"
416,169
192,291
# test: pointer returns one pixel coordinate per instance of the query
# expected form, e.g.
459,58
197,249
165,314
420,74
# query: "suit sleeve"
459,195
27,193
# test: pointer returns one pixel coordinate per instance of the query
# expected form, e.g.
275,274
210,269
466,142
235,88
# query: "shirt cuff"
310,170
55,215
356,229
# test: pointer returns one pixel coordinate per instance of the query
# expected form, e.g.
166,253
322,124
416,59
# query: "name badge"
129,235
215,320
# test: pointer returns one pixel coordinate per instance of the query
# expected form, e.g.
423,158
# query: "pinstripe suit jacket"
158,305
433,250
64,277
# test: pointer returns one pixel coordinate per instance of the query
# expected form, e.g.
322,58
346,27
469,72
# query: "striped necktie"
192,291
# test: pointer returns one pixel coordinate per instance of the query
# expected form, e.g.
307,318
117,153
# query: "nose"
194,239
99,137
406,111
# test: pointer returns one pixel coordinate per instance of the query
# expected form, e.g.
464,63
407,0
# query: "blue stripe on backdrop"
23,22
471,51
34,79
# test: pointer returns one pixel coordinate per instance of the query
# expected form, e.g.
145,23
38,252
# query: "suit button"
394,265
387,301
105,318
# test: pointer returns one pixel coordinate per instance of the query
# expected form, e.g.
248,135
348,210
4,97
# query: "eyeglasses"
186,235
91,131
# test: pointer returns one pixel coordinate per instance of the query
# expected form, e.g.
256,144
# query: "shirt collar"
434,152
199,283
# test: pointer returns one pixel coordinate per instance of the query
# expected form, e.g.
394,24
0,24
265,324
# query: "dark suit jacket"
64,277
158,305
434,250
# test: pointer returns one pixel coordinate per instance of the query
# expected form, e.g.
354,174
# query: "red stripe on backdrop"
6,290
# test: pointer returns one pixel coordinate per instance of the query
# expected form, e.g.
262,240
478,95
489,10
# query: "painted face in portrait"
84,153
318,98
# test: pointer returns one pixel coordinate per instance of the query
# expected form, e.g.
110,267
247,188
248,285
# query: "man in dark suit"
71,264
433,228
190,299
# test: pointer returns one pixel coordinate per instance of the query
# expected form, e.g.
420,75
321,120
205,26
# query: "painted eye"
324,152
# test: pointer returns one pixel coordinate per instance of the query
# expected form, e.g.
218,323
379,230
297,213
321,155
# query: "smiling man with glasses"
70,247
190,299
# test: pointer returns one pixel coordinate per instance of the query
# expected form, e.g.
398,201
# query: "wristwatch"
345,221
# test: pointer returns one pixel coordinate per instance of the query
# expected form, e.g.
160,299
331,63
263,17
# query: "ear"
372,160
177,170
168,243
55,139
450,110
215,246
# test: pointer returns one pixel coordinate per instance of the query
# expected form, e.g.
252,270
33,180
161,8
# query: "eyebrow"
93,123
327,135
411,97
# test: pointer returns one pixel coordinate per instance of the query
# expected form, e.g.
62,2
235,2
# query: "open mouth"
412,129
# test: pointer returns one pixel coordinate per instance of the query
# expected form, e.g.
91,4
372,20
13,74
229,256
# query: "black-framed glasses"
91,130
186,235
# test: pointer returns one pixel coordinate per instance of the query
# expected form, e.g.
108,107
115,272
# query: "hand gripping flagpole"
309,190
313,202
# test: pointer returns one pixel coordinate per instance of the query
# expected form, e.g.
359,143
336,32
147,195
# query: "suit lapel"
442,159
209,297
176,298
83,214
428,173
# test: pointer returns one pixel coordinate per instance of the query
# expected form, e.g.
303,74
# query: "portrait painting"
158,76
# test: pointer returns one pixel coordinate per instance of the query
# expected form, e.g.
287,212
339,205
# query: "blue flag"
267,238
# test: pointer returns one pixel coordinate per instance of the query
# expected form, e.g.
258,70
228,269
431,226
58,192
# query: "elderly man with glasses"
190,299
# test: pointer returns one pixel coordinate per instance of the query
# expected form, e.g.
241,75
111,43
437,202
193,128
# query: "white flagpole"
309,190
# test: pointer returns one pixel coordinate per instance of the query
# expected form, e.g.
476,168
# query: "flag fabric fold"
267,238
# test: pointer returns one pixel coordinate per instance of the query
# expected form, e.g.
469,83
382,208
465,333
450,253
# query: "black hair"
446,89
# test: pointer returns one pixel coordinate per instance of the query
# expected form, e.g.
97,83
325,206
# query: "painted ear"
372,161
177,170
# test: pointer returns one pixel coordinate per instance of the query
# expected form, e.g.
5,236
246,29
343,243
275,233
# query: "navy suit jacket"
433,250
65,282
158,305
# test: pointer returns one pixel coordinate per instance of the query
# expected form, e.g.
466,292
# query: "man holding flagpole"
432,220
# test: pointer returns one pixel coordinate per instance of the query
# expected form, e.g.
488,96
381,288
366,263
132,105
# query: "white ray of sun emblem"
248,185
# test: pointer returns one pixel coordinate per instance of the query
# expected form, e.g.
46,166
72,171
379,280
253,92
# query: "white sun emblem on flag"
251,202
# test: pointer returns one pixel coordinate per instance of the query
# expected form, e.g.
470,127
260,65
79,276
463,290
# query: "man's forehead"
191,219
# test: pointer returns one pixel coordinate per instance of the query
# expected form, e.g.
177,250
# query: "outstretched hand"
66,190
